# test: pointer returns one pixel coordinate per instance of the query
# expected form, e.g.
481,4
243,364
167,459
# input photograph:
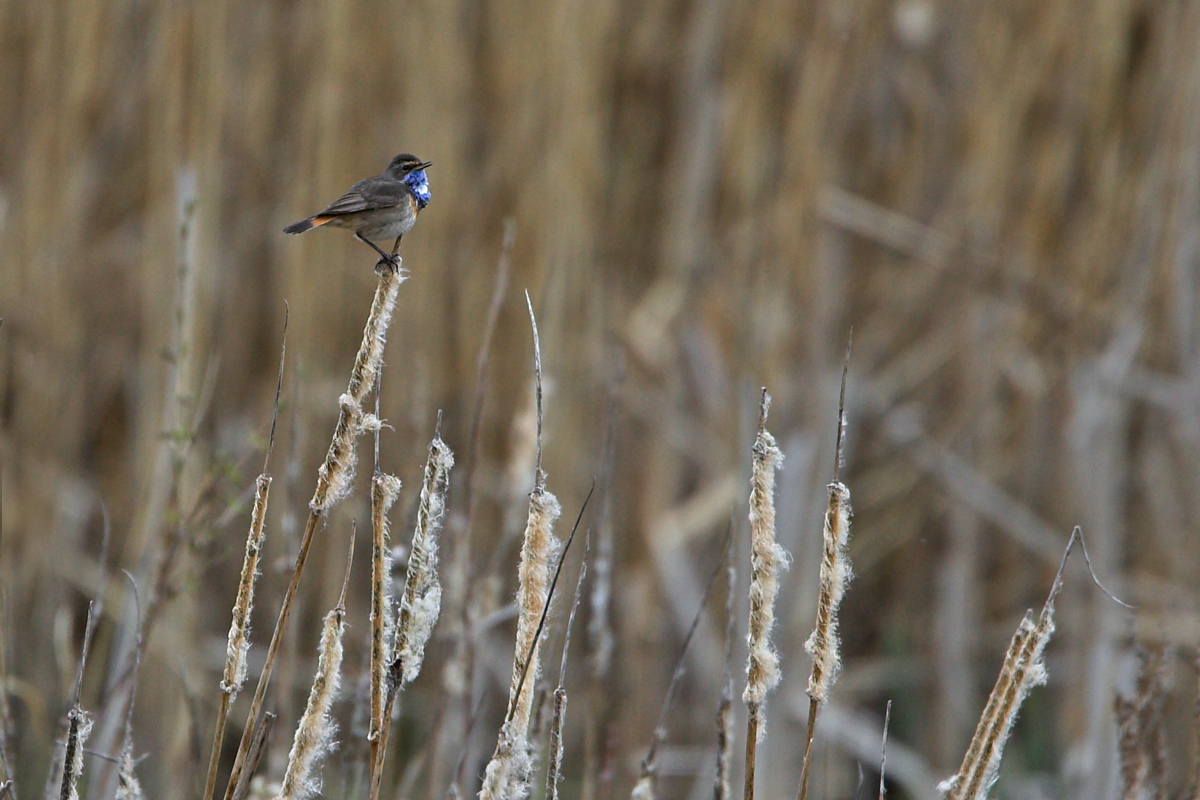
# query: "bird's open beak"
425,165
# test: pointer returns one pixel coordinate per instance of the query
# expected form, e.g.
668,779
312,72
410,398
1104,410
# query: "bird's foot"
388,264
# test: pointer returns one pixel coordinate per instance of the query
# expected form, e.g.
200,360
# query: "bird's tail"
306,224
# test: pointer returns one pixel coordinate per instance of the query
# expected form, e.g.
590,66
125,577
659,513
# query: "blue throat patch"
419,184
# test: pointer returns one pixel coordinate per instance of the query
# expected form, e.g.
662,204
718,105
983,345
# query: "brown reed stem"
332,480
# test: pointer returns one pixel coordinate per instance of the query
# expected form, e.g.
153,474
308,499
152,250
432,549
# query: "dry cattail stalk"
554,761
333,479
314,734
335,474
1022,670
238,646
508,773
421,603
384,491
766,559
422,591
823,645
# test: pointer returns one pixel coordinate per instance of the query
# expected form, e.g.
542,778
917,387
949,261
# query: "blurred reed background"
1002,199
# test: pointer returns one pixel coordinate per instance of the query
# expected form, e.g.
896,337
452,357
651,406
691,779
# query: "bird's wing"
367,195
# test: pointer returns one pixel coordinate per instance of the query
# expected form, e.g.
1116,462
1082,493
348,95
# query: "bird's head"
410,169
405,164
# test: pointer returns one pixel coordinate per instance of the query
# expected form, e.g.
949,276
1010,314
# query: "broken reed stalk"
1022,670
554,760
508,773
333,480
79,722
422,600
644,789
766,559
823,645
722,790
314,733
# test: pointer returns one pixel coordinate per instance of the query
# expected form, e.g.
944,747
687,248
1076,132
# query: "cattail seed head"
315,732
239,630
79,729
508,773
767,558
384,491
422,601
824,645
337,471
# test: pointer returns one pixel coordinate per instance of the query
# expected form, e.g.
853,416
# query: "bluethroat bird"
382,207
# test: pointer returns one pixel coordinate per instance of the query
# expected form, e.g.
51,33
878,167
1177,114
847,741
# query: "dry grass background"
1003,199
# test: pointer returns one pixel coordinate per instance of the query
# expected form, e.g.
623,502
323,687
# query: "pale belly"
382,224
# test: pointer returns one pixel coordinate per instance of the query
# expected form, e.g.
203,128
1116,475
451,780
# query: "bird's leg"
383,257
396,246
